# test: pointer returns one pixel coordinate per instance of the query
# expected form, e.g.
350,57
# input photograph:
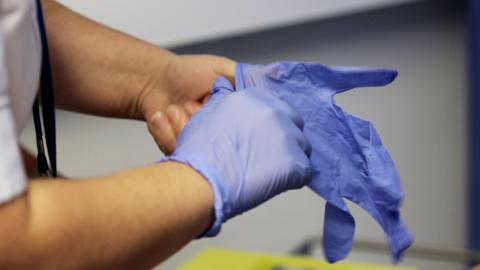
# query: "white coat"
20,59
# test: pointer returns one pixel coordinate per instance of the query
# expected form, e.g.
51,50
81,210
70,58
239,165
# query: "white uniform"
20,59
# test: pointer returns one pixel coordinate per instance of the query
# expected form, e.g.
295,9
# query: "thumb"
345,78
221,87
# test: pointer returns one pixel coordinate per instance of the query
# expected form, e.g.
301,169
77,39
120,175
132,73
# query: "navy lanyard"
48,108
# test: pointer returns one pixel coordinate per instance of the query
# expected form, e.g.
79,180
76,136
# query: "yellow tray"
222,259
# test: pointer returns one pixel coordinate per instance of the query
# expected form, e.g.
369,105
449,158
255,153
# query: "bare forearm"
98,70
131,220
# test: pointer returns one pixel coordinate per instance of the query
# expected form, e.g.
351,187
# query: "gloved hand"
249,147
348,159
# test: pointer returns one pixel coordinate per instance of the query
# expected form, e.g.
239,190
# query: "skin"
136,218
130,220
100,71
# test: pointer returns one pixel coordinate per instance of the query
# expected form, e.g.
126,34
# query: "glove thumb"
338,232
221,88
346,78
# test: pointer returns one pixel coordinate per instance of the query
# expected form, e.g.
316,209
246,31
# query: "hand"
166,126
248,145
183,88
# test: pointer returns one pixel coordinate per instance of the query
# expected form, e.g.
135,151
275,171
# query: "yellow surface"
222,259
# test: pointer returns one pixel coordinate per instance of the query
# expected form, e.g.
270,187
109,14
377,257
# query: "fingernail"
157,120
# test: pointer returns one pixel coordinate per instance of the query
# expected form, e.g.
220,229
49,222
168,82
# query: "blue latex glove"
348,159
249,147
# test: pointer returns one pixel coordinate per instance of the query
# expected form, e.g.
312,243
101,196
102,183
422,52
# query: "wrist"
196,190
221,211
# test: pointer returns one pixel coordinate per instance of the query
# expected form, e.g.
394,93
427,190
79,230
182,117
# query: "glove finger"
339,229
280,106
286,110
307,147
221,87
398,235
301,170
302,141
346,78
399,239
383,188
242,81
296,136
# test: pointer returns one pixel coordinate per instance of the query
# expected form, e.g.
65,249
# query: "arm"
100,71
137,218
131,220
29,162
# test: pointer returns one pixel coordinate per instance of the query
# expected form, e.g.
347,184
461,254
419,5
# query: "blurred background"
422,117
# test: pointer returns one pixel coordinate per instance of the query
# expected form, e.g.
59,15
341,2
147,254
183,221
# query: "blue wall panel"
474,100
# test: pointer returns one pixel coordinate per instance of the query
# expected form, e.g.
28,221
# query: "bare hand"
189,80
165,127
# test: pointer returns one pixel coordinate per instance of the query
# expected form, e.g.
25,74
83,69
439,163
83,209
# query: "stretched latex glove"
348,159
248,145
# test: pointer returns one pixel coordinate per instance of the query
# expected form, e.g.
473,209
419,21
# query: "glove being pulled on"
248,145
348,159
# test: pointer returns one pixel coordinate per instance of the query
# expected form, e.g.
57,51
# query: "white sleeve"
12,175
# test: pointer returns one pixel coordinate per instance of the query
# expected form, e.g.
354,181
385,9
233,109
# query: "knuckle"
299,170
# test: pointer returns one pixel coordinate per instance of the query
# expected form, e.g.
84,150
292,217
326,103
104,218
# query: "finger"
240,78
191,107
306,146
162,131
178,118
293,115
281,107
221,88
205,99
296,133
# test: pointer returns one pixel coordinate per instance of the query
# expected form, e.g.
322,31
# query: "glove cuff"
212,178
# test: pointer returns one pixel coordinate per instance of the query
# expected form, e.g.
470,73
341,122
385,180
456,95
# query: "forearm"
98,70
131,220
29,161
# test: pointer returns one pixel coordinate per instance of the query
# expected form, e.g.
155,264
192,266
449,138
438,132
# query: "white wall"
180,22
421,118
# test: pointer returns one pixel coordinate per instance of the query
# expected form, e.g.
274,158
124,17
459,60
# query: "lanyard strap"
48,108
